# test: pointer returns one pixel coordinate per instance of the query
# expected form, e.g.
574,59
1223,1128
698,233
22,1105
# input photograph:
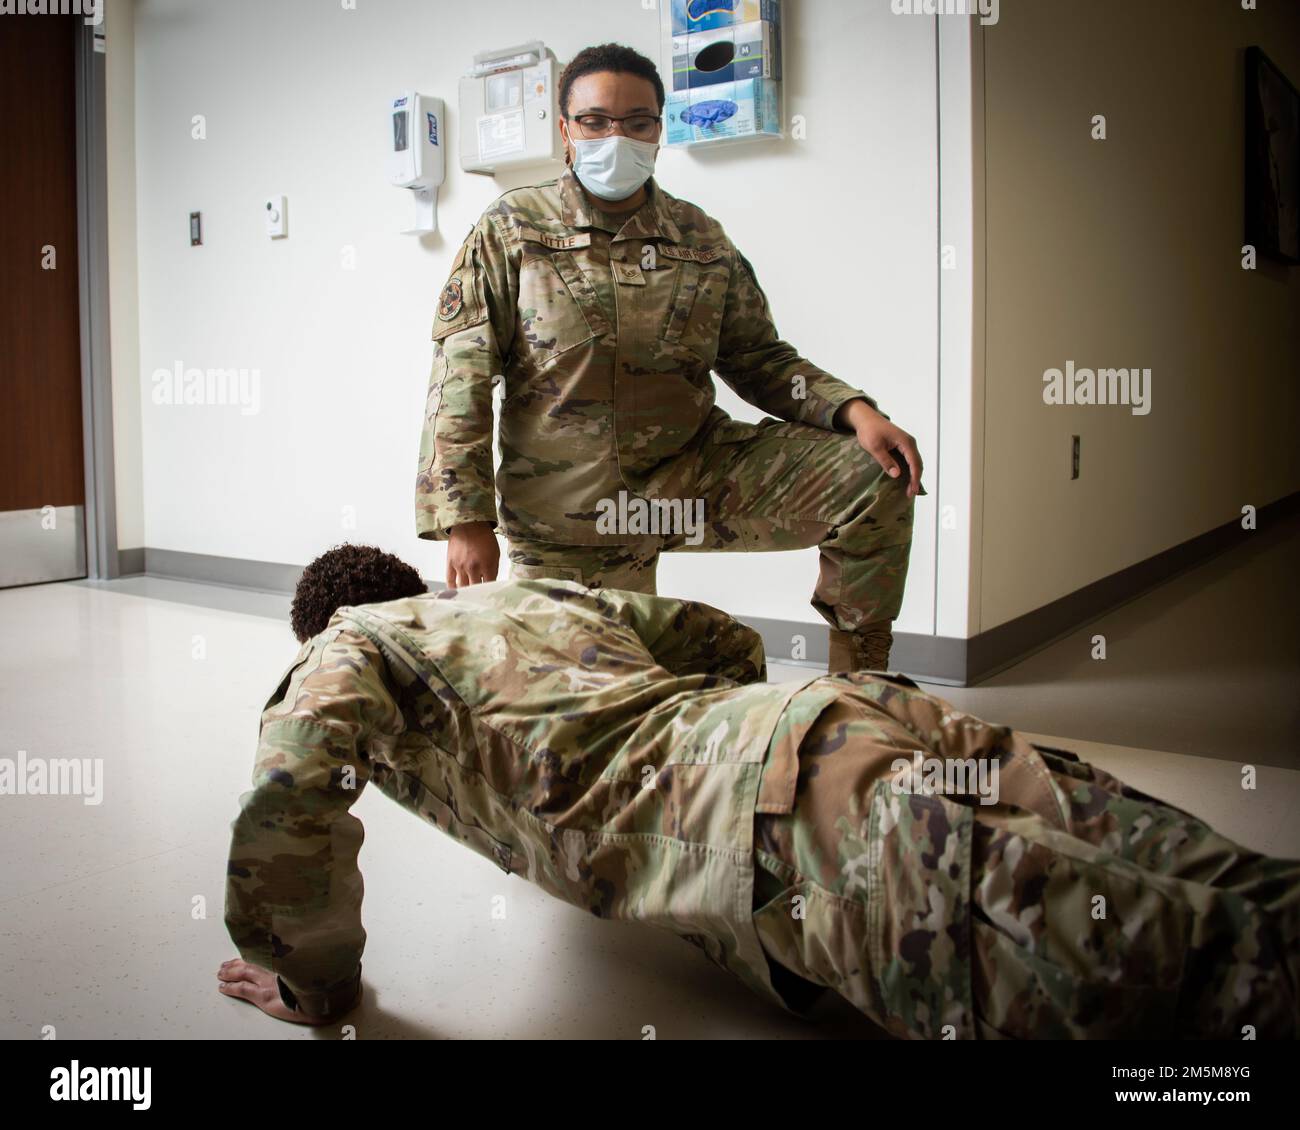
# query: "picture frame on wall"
1272,159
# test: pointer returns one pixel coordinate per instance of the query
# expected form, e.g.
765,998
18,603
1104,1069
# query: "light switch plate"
277,217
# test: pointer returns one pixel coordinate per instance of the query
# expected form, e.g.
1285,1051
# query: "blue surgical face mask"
613,167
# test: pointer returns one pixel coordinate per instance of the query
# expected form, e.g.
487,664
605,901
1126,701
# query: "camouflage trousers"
766,487
1074,906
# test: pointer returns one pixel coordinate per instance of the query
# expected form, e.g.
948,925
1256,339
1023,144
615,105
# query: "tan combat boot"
867,649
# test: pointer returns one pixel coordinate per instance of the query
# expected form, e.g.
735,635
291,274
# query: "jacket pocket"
544,572
780,777
698,301
559,309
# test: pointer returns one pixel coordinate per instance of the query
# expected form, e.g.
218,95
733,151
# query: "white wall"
842,229
1126,252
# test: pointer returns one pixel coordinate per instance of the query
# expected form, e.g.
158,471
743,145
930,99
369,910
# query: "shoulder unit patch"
450,301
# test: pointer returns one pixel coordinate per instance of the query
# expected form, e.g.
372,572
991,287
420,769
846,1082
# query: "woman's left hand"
884,441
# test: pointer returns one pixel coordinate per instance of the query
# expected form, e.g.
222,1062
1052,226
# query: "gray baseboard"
235,572
933,659
130,562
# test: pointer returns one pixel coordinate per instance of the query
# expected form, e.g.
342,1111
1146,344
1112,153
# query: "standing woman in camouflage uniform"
604,305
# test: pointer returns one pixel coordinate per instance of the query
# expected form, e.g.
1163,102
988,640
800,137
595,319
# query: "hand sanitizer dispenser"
415,160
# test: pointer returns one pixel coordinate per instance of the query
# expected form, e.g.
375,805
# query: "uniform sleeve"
473,329
761,368
690,638
293,888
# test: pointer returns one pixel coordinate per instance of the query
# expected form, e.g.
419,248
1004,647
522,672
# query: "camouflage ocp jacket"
605,334
608,746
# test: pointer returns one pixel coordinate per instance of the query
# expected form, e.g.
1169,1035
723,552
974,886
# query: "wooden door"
42,483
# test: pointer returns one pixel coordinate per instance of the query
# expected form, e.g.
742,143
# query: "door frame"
92,274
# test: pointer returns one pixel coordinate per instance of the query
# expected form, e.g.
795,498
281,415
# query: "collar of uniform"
654,220
642,224
574,210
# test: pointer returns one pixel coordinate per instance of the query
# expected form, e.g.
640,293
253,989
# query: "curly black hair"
347,575
609,57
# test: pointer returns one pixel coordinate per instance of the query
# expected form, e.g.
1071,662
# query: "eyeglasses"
640,126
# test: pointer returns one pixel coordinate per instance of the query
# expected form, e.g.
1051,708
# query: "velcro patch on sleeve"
460,303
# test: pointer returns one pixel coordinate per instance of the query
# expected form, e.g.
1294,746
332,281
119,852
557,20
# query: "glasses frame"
572,119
